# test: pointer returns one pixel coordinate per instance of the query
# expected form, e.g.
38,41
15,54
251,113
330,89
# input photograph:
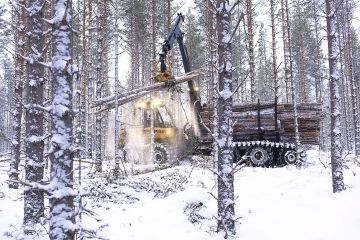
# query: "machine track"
266,153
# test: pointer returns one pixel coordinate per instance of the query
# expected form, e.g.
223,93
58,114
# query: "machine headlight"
156,102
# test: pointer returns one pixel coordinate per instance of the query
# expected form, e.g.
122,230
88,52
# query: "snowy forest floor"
175,203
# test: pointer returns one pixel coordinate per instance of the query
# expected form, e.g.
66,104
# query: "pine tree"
62,151
34,142
18,98
336,148
304,46
250,37
263,71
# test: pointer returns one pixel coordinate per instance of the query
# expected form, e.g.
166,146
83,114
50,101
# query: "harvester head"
163,69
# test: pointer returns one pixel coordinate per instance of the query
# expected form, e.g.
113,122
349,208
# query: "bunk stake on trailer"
260,130
277,134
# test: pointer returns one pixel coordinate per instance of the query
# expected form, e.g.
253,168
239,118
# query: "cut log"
107,103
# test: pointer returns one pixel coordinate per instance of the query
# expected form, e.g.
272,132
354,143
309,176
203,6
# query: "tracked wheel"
289,156
161,155
260,156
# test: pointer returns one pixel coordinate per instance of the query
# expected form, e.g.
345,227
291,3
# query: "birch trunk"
226,212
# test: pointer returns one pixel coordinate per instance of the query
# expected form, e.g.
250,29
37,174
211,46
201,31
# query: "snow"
174,203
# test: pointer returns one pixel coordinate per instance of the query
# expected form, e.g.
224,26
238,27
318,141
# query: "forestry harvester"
263,134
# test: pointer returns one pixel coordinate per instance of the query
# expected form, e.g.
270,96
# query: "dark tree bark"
273,41
101,73
18,92
34,145
251,48
285,49
292,82
61,153
353,92
336,148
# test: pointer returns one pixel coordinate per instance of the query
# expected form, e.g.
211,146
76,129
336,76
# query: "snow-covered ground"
175,203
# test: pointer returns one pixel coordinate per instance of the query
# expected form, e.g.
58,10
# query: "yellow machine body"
163,133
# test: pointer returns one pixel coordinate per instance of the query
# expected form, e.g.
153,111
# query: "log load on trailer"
264,134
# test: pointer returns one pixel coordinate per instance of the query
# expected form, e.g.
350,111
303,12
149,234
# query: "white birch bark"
226,212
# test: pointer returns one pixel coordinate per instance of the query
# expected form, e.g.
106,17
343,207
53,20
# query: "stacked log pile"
246,122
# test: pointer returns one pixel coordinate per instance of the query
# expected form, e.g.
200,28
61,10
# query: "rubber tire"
161,155
260,156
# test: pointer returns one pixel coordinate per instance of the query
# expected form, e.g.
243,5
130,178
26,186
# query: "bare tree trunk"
34,147
319,78
286,54
62,212
226,211
116,90
18,92
318,81
353,92
84,80
99,84
292,83
153,55
273,37
336,148
249,12
90,82
343,84
168,24
302,74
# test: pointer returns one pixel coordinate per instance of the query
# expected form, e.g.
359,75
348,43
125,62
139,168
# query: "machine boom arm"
177,34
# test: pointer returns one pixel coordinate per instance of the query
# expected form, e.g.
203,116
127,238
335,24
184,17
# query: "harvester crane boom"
178,35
